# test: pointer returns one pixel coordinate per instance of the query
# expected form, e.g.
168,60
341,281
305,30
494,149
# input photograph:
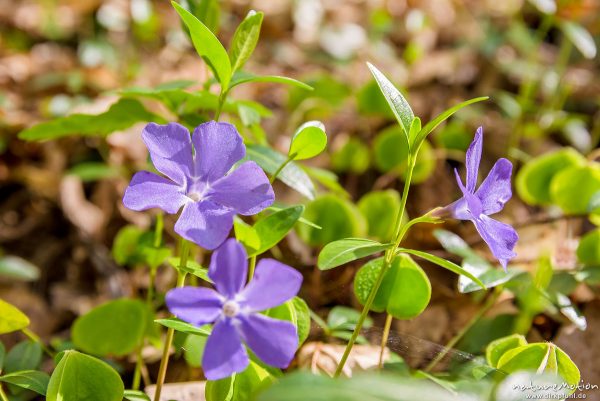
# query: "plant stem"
251,267
389,255
454,340
384,338
222,98
280,168
35,338
162,371
3,395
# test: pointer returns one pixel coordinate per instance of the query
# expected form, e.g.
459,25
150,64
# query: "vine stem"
252,267
280,168
389,255
3,395
384,338
454,340
35,338
164,362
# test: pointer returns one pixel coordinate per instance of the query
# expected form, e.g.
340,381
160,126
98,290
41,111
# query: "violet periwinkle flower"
234,311
197,178
488,199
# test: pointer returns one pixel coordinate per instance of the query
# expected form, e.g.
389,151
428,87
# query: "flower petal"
273,341
473,160
246,190
496,190
195,305
501,238
148,190
218,146
205,223
457,209
224,353
272,284
170,149
229,268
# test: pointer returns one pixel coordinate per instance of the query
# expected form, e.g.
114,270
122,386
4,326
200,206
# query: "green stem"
35,338
252,267
280,168
162,371
454,340
384,338
137,373
3,395
222,98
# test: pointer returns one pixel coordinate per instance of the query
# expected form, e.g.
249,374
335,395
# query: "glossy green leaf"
338,218
588,250
534,178
207,11
249,78
28,379
431,125
18,269
346,250
245,39
453,243
396,101
26,355
184,327
380,208
193,350
82,377
291,175
353,156
302,318
572,188
241,386
11,318
497,348
308,141
207,46
274,227
405,291
489,275
453,267
580,37
114,328
121,115
135,395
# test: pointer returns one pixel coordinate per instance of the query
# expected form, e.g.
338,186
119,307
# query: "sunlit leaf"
245,39
308,141
346,250
28,379
11,318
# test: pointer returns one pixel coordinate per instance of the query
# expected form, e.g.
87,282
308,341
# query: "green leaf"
2,356
396,101
114,328
277,207
124,248
121,115
405,291
207,46
155,256
327,179
11,318
28,379
344,318
380,209
246,78
497,348
26,355
93,171
302,319
135,395
308,141
243,386
580,37
192,267
588,250
207,11
453,267
291,175
346,250
245,233
431,125
453,243
184,327
543,272
572,188
486,273
274,227
534,178
245,39
193,350
353,156
570,311
415,128
82,377
18,269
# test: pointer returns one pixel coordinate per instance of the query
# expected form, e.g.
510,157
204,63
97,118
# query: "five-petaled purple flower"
234,310
197,179
490,198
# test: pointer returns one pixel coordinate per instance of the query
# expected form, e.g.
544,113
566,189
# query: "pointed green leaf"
82,377
18,269
245,78
397,102
28,379
274,227
207,46
184,327
245,39
11,318
346,250
308,141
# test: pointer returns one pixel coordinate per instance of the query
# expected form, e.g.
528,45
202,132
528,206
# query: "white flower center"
195,196
231,308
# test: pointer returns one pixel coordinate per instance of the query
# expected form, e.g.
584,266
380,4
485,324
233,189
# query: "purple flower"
197,178
234,310
490,198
